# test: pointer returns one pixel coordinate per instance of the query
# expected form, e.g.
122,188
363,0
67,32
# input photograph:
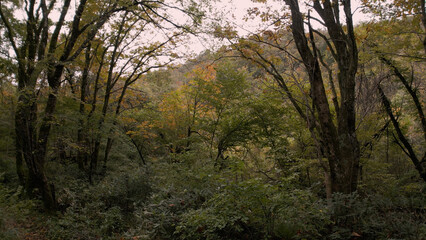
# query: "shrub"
104,210
253,210
378,216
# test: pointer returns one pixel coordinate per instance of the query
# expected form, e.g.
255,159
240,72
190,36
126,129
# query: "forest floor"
28,228
21,219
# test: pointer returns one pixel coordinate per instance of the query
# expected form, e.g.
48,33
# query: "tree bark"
423,13
81,136
407,148
410,90
339,142
36,53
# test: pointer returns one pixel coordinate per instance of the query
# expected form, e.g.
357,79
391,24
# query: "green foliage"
255,210
179,187
213,148
7,138
15,211
105,209
378,216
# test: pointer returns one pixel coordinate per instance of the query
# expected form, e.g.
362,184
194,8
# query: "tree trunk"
81,136
37,52
406,147
108,148
423,13
30,150
20,134
25,133
410,90
340,143
97,147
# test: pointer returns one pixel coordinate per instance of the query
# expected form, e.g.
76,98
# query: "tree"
340,142
333,127
41,55
391,42
397,9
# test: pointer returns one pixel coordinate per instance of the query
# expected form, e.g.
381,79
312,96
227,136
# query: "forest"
309,125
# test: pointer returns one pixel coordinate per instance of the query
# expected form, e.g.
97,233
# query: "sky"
234,12
240,8
230,12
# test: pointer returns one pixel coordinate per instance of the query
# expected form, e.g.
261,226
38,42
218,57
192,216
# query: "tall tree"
333,127
340,142
128,62
43,55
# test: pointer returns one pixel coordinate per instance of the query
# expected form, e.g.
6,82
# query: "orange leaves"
179,106
203,71
253,11
143,129
392,9
128,120
173,109
224,32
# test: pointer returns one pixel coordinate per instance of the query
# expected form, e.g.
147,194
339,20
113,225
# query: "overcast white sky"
233,12
236,10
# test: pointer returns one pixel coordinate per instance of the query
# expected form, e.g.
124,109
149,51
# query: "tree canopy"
310,126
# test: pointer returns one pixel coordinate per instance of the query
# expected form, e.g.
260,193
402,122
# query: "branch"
410,90
408,148
10,33
55,35
326,40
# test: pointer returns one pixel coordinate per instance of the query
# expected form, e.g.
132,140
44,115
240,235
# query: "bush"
254,210
178,188
378,216
104,210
